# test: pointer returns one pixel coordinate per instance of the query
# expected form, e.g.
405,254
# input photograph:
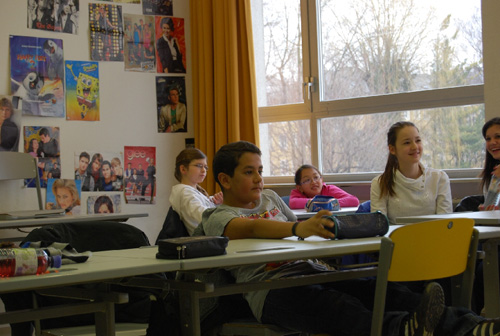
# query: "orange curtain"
225,97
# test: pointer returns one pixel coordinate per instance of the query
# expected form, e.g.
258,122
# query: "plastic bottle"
26,261
493,194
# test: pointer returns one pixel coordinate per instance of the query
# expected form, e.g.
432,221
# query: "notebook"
29,214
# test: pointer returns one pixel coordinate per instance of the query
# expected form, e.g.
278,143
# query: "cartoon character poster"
104,204
37,75
140,43
171,104
157,7
106,32
170,45
82,91
64,194
139,176
10,123
42,142
54,15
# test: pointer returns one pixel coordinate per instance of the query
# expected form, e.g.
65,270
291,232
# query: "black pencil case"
191,247
359,225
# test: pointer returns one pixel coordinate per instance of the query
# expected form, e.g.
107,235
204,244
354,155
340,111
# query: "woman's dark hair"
298,173
30,145
489,161
386,180
168,21
185,157
103,200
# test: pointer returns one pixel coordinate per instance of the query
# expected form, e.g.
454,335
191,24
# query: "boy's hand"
315,226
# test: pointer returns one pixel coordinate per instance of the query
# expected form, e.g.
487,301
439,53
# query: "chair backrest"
430,250
16,166
286,199
427,251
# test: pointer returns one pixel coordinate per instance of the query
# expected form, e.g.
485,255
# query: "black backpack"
173,227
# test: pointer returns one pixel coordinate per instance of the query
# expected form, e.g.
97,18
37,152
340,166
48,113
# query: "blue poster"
37,75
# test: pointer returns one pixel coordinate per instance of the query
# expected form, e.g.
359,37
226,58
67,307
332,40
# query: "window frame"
313,109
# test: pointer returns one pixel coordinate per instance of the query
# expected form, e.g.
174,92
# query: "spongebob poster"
82,90
37,75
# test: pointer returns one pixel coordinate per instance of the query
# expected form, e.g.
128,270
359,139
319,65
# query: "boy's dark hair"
228,156
85,155
44,131
298,173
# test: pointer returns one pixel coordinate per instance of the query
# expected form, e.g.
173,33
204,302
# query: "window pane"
278,51
376,47
451,139
285,146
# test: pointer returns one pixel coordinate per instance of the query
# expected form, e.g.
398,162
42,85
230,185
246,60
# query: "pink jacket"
298,200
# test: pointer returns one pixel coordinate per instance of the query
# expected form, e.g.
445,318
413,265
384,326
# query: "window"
333,75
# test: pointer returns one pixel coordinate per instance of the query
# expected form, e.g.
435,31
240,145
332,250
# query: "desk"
480,217
119,264
303,214
100,267
34,222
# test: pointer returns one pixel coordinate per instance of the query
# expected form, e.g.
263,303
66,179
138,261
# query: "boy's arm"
239,228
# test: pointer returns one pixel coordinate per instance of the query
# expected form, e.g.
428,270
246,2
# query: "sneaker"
488,327
428,313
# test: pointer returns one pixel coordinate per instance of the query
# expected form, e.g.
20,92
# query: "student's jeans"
345,308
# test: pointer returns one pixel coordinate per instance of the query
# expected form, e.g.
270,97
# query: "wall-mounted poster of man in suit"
171,104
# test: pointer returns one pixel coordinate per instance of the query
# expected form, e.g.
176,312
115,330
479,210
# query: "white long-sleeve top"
189,203
429,194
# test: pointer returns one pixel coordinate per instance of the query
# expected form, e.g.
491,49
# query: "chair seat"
122,329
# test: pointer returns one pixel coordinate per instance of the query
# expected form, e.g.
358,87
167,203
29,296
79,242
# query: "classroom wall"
128,114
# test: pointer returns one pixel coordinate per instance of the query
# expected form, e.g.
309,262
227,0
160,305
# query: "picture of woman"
65,195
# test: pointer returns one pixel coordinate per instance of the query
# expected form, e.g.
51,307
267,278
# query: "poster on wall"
140,43
140,174
10,123
42,142
60,16
37,75
106,32
105,169
104,204
82,91
157,7
124,1
171,104
64,194
170,45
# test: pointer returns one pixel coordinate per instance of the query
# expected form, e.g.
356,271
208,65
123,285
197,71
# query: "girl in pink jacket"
309,183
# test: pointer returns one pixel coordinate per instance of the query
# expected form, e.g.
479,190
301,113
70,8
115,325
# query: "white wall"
128,114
